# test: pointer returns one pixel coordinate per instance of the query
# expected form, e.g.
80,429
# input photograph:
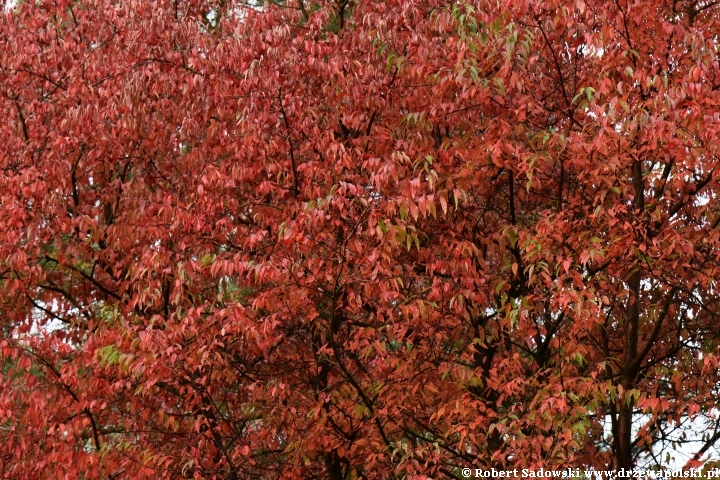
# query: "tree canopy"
357,239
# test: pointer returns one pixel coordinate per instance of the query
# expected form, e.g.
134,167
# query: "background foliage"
355,240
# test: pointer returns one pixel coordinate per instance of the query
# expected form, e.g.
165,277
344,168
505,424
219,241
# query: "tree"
356,239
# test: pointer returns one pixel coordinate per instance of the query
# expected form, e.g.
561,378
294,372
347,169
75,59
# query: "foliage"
356,239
